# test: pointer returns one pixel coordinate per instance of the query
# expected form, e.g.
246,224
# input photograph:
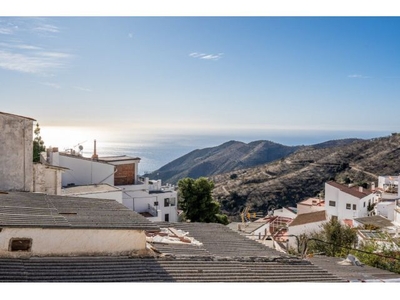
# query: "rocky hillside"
230,156
302,174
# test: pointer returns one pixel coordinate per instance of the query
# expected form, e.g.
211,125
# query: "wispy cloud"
34,63
82,89
130,35
206,56
18,55
50,84
46,28
357,76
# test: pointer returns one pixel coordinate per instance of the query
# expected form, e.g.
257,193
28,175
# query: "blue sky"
203,74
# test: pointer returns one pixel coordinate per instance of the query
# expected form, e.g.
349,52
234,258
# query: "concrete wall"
74,242
84,171
385,209
46,179
16,159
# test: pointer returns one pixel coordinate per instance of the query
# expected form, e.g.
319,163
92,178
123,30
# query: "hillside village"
70,206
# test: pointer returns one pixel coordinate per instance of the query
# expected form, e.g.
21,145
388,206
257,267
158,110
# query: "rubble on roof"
171,236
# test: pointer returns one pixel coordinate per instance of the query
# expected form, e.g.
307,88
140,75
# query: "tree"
334,239
38,144
196,201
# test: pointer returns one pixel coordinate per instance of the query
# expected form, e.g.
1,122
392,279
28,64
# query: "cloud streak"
357,76
206,56
82,89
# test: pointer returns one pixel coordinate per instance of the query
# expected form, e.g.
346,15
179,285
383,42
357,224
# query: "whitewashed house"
35,224
150,198
347,203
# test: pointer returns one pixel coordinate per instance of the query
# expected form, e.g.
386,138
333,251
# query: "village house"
346,202
89,176
36,224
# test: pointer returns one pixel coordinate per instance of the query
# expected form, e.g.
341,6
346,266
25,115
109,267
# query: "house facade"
150,198
35,224
347,203
16,161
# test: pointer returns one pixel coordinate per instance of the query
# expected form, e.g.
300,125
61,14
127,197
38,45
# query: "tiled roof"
378,221
354,273
354,191
222,256
307,218
23,209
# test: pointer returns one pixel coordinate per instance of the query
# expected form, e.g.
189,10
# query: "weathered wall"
74,242
16,159
46,180
125,174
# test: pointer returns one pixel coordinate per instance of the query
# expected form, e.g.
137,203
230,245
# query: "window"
348,206
172,201
166,217
364,204
17,244
354,207
166,202
332,203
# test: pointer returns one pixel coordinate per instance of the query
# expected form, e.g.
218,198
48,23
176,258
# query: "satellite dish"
80,147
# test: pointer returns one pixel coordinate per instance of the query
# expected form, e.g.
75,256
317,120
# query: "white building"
388,184
347,203
306,223
150,198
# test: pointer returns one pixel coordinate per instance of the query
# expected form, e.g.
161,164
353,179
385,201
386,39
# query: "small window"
364,204
17,244
354,207
348,206
172,201
332,203
166,202
166,217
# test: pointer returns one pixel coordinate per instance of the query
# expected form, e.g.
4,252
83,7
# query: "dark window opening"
166,202
20,244
348,206
332,203
172,201
166,217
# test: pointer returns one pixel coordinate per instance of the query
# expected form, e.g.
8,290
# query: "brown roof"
354,191
307,218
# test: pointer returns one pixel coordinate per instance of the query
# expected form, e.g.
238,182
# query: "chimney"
95,156
372,186
360,189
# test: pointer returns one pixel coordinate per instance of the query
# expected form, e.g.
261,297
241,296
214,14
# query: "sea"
156,150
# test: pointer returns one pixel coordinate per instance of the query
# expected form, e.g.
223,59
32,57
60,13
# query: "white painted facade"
16,161
159,202
73,242
83,171
385,209
302,229
285,212
343,204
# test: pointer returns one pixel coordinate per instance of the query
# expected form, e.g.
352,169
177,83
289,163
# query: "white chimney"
372,186
360,189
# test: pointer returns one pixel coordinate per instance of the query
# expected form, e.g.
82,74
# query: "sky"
201,74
